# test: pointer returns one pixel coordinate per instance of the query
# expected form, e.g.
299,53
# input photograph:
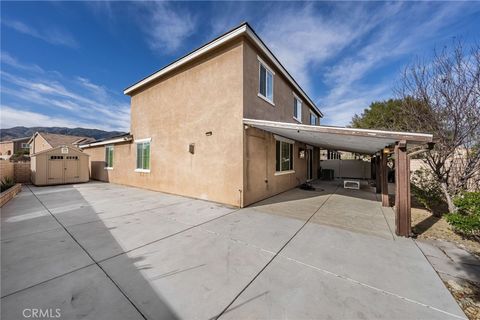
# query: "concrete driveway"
104,251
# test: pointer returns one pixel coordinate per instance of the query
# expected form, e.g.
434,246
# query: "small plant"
427,190
466,220
6,183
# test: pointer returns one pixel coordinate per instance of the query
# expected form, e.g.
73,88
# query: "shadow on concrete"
150,304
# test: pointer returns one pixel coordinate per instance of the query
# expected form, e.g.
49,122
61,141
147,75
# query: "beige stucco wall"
124,157
260,179
205,96
210,95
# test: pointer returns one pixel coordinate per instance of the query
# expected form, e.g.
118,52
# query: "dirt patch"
427,226
467,294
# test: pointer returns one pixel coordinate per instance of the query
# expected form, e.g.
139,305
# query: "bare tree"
442,96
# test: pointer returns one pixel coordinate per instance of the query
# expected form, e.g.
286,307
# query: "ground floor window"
109,156
284,156
143,155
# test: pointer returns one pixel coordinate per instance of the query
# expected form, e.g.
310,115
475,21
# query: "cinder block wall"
6,169
19,171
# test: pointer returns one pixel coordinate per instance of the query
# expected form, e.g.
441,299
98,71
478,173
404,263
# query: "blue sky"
67,63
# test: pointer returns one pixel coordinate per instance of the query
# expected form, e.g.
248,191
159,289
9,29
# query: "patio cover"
365,141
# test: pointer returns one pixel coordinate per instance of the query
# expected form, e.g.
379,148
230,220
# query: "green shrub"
468,203
426,190
6,183
466,220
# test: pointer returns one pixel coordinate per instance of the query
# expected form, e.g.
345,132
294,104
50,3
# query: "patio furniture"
351,184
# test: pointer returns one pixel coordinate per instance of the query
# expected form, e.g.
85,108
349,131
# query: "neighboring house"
9,148
188,131
41,141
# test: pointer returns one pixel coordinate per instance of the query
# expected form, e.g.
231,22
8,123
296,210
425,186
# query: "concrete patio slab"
105,239
39,257
396,266
27,218
328,296
256,228
83,294
193,212
190,258
448,259
196,272
355,210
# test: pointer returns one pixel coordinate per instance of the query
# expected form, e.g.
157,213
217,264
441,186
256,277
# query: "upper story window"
24,146
109,157
297,109
313,119
265,89
143,155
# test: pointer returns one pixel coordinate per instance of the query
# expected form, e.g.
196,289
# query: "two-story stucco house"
188,135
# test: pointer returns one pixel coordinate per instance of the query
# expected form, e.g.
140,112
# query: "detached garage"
59,165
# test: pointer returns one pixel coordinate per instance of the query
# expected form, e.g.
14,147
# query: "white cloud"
6,58
406,31
304,37
14,116
166,27
51,35
78,100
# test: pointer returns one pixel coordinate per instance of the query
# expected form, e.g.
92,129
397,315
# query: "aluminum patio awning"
365,141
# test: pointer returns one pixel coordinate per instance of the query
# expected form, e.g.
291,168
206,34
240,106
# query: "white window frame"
138,141
24,145
268,69
106,162
289,141
299,116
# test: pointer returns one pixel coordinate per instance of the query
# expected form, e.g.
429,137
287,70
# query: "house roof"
366,141
243,30
55,140
16,140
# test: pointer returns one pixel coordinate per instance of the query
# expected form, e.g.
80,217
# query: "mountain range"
20,132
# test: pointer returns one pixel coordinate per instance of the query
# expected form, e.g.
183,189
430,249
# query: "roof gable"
242,30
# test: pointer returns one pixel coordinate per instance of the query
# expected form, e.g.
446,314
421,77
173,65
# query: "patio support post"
384,179
378,183
403,222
